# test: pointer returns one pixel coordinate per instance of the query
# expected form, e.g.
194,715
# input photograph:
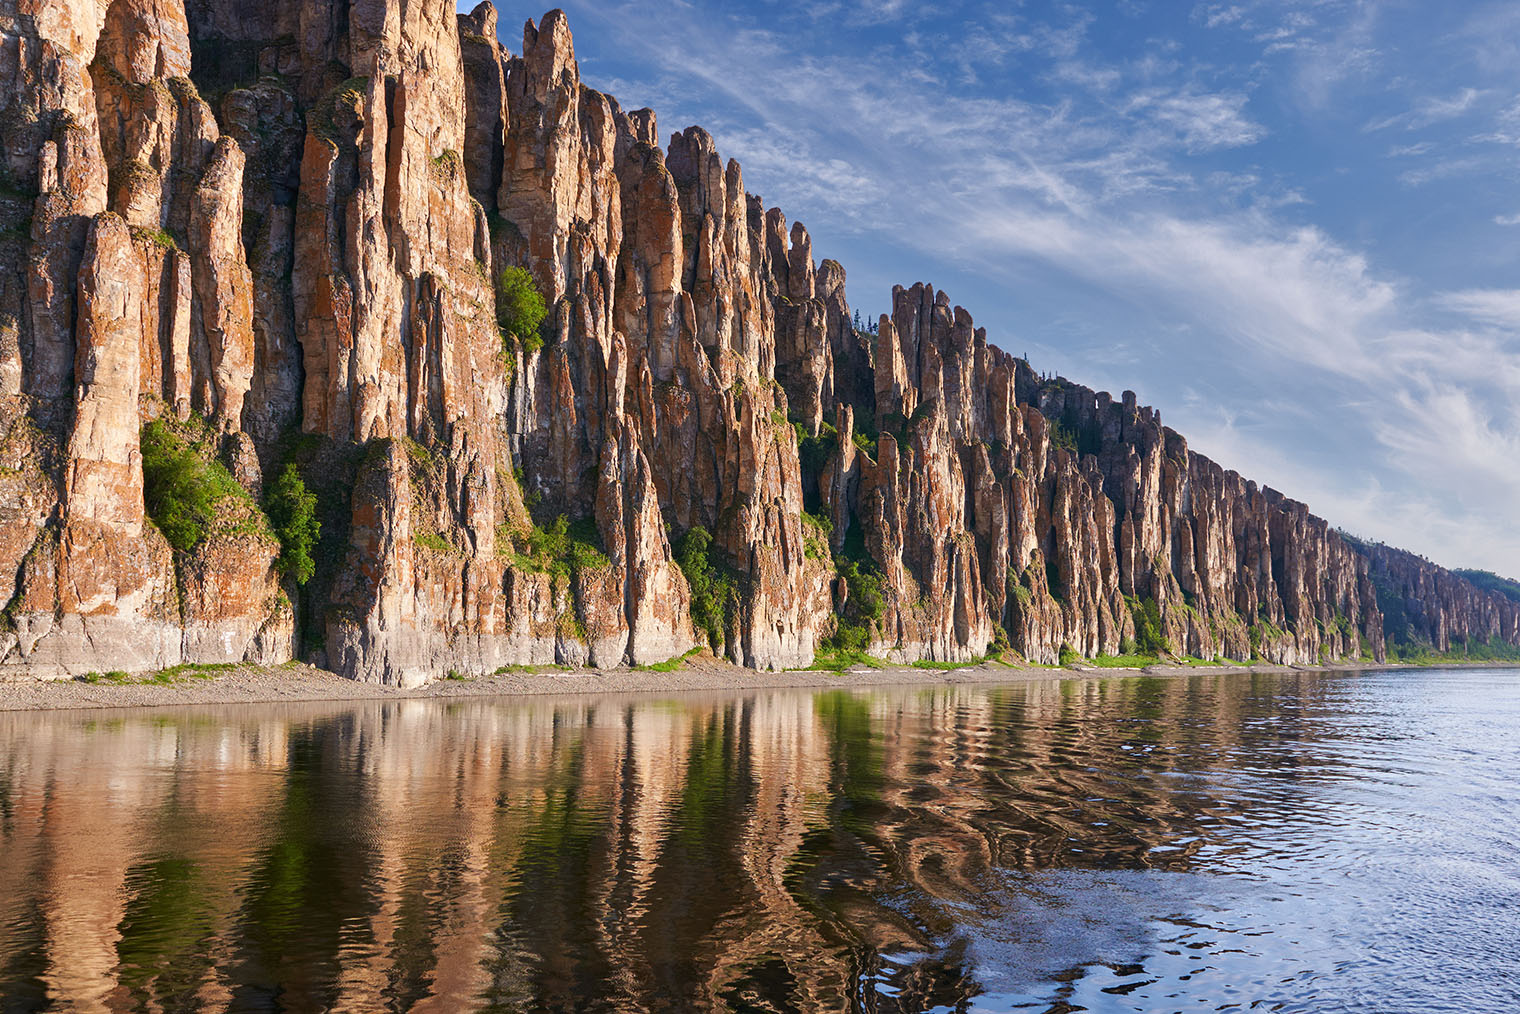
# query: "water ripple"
1295,843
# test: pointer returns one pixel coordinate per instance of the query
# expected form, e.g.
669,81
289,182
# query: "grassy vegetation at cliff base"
531,670
831,659
1133,660
163,677
670,664
1421,653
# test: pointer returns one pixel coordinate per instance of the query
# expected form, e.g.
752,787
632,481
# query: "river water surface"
1310,842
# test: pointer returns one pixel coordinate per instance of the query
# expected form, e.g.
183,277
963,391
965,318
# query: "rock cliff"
284,234
1430,607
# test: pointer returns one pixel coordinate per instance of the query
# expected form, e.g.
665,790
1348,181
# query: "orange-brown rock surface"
284,227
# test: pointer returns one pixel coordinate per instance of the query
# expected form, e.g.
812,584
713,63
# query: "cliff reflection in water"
780,851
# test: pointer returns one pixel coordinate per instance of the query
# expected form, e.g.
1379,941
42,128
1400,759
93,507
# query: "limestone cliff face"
997,499
282,228
126,296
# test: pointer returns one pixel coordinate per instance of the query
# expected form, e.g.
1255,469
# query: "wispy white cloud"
1444,169
1218,15
1325,60
1497,307
1429,110
1492,35
1289,294
880,11
814,180
1201,120
1505,128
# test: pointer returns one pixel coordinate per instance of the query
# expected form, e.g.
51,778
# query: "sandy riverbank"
249,684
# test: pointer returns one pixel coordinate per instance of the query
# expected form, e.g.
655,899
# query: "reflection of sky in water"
1136,940
1381,878
1305,843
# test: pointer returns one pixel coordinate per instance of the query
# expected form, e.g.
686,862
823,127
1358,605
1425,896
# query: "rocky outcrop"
1430,607
283,230
995,499
118,324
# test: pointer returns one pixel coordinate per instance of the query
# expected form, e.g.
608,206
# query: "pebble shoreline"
251,684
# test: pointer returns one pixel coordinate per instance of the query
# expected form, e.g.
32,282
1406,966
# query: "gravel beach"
252,684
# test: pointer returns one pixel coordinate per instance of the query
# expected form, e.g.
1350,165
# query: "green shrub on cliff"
562,549
864,602
816,530
181,485
1150,637
520,309
814,452
714,590
293,513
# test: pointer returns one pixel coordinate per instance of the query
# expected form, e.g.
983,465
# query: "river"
1304,842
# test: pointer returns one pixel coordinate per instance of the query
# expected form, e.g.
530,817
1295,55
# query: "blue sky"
1294,227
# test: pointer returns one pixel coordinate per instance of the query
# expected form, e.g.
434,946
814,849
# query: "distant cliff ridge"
255,273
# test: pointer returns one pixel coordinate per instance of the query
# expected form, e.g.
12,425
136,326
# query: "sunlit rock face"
285,226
